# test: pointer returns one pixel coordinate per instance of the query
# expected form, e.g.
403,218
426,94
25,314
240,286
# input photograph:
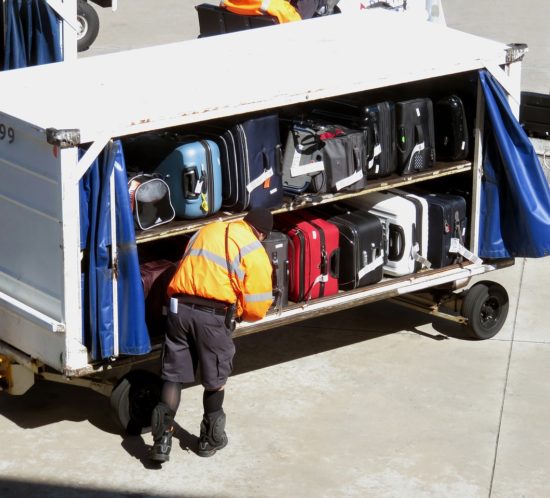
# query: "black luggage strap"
277,290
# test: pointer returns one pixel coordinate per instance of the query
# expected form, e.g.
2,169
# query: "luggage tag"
379,261
134,184
350,180
375,153
457,247
297,169
204,203
260,180
419,258
198,187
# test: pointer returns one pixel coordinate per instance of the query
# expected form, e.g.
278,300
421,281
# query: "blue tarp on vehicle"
33,34
515,195
97,277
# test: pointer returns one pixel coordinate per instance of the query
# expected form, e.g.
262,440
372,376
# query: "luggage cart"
41,321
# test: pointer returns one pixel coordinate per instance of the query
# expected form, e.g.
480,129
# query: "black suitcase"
361,248
276,246
447,220
534,114
415,135
451,129
378,122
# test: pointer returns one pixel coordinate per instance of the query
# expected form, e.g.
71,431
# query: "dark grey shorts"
197,338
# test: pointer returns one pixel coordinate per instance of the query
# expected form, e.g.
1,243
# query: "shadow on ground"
12,488
47,402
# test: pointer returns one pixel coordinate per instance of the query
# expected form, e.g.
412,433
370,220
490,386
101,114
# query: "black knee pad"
161,419
215,425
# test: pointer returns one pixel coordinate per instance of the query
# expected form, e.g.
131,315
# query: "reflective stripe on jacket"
281,9
203,269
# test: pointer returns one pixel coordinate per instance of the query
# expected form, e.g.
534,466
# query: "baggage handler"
225,274
283,10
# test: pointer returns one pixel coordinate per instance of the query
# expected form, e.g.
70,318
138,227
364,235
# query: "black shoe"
207,448
160,452
213,436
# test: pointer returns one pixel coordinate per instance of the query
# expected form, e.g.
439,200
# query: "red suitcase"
313,255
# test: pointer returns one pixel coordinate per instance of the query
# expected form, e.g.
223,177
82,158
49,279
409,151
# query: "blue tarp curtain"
33,34
97,273
515,195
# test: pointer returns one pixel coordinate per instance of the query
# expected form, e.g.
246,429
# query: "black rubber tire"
133,400
485,305
88,22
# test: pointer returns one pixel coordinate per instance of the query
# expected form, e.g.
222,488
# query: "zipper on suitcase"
209,177
301,290
245,163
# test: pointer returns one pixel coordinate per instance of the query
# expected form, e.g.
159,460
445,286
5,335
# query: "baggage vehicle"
48,151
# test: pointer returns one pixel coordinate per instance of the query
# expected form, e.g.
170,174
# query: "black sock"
212,401
171,394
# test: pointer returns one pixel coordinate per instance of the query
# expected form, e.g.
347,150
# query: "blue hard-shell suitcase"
193,172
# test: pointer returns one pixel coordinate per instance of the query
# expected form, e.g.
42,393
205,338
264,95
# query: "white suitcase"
405,220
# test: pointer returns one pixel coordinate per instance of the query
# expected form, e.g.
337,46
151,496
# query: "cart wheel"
486,308
88,25
133,400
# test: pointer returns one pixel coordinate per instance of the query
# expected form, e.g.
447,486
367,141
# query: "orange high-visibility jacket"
281,9
203,269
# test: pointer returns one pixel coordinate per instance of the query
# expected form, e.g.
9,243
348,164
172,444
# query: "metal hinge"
64,139
515,52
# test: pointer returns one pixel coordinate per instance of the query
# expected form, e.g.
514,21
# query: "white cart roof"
138,90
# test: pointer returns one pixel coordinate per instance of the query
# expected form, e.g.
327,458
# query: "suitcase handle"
278,167
357,166
396,243
189,184
334,267
309,143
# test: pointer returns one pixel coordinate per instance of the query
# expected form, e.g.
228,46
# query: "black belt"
202,304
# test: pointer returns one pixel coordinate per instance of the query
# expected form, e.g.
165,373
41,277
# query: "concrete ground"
373,402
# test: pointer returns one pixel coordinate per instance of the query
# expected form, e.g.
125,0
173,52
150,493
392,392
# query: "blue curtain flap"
33,34
95,215
515,194
133,334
